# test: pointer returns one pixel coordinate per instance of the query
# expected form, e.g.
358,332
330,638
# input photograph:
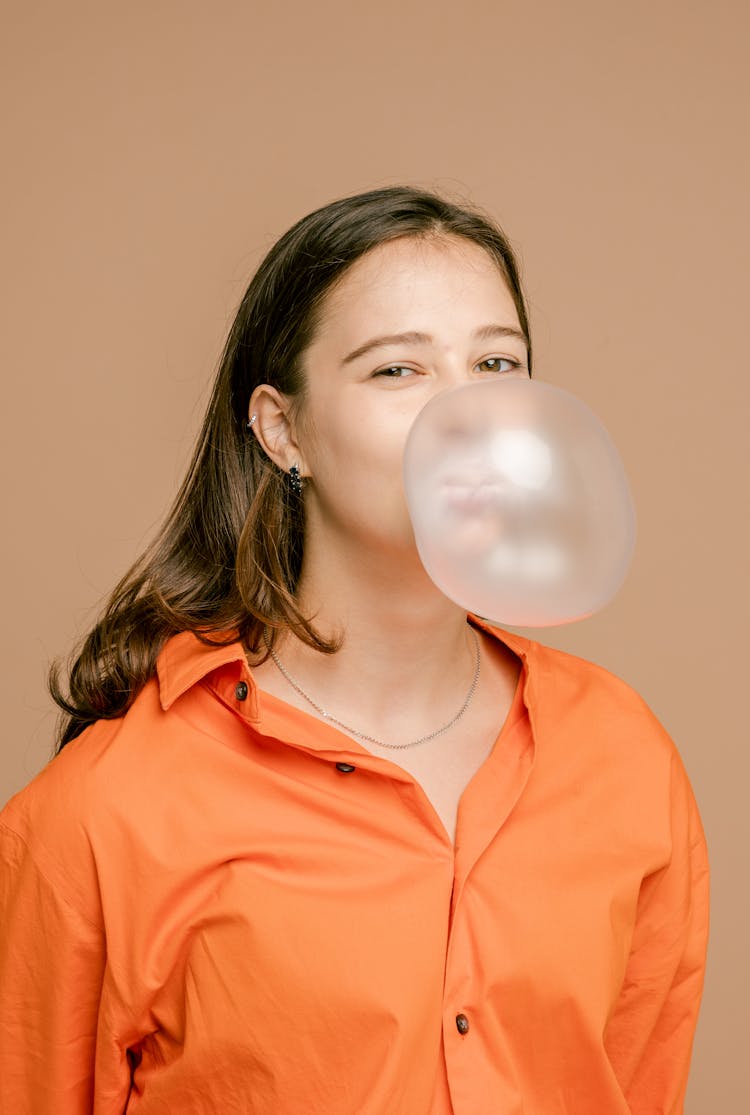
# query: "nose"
451,372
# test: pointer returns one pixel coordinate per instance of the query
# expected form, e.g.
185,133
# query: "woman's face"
409,319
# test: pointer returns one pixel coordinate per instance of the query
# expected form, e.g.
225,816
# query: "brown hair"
226,562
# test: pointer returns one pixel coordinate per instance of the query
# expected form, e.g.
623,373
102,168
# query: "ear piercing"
295,480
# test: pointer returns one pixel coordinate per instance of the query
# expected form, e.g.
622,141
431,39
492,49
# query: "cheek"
358,441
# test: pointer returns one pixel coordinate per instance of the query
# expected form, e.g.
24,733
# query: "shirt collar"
186,660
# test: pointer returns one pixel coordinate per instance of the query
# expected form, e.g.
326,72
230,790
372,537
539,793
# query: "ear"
274,428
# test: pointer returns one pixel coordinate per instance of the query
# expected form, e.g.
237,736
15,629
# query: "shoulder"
592,726
565,677
568,679
573,698
107,793
57,816
110,783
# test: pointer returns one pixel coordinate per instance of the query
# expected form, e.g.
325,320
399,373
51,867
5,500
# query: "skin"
407,657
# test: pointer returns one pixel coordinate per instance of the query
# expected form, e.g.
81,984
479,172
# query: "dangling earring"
295,480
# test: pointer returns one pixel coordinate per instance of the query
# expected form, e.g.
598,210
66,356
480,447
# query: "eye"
393,371
494,364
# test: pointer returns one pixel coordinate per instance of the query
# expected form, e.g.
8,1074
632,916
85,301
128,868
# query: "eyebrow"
484,333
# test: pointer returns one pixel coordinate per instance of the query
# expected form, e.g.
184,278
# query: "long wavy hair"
226,562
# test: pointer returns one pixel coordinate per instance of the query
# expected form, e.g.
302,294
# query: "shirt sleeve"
650,1034
51,969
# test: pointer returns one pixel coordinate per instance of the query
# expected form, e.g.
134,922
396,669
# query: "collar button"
345,768
240,691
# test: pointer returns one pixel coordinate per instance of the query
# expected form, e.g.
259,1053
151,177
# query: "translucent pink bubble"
519,501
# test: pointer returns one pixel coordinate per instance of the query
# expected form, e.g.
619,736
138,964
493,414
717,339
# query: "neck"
406,647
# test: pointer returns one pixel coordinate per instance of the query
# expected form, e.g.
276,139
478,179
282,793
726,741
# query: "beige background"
154,150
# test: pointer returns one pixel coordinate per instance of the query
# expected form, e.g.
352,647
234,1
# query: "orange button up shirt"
219,903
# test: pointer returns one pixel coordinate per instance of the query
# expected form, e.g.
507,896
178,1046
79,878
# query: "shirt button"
462,1024
240,691
345,768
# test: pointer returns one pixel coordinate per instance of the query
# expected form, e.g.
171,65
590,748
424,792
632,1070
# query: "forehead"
402,283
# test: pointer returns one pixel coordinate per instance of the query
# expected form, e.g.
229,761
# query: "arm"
650,1034
51,969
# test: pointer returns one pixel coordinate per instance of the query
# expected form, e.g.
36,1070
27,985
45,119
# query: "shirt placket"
485,808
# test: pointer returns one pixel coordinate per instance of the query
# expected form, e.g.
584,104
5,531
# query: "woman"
315,840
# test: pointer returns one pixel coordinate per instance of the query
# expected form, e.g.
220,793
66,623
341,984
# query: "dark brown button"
240,691
345,768
462,1024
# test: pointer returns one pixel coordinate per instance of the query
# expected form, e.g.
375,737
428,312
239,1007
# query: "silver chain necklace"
371,739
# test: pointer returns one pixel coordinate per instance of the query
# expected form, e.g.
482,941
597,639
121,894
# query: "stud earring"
295,480
249,425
